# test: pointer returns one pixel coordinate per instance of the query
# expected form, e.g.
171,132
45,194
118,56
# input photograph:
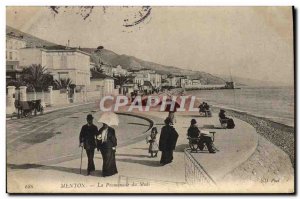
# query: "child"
153,147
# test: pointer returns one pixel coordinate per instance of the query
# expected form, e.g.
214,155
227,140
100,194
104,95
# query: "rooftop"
14,35
58,48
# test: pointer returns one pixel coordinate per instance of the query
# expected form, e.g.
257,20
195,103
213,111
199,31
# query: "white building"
101,82
155,79
107,69
147,75
196,82
13,44
119,71
61,62
174,81
186,82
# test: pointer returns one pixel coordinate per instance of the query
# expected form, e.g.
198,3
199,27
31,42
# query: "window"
10,55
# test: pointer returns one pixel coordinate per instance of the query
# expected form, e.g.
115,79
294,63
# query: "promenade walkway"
138,170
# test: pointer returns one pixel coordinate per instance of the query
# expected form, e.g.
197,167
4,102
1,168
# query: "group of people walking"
104,140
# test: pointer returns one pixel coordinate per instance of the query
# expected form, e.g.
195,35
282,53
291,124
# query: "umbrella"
109,118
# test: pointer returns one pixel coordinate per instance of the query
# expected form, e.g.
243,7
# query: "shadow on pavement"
132,155
151,163
181,147
44,167
141,148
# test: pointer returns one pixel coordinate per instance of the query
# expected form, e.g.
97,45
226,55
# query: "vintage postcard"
149,99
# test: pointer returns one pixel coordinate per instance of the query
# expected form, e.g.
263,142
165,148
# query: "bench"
193,142
205,113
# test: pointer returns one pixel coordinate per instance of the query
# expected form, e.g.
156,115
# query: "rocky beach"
279,134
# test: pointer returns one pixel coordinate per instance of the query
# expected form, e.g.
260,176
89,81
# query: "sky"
248,42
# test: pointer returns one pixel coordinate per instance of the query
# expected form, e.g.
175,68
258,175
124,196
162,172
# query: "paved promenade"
134,163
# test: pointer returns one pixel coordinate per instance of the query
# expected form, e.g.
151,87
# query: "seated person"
226,120
194,132
207,110
201,108
222,115
206,106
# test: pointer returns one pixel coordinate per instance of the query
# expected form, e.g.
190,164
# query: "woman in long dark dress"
167,142
107,143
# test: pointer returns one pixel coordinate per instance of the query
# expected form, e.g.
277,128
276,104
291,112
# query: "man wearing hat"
87,139
194,132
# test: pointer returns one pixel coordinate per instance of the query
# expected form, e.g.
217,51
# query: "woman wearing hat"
107,142
167,142
87,140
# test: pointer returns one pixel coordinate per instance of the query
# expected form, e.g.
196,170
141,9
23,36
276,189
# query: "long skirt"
166,157
109,162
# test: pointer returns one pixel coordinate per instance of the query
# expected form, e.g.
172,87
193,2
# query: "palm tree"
36,77
121,80
63,83
15,82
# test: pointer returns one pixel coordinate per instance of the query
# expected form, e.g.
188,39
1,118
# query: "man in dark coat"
194,132
106,143
87,139
167,142
226,120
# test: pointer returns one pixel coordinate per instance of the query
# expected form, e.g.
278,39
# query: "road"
53,138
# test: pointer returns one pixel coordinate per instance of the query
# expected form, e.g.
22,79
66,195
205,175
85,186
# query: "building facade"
155,80
13,45
61,63
101,82
119,71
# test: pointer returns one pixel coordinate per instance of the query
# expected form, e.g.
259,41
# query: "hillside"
31,41
130,62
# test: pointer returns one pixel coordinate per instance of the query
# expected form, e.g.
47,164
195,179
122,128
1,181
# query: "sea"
274,103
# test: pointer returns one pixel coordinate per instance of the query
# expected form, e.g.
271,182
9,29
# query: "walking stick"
81,159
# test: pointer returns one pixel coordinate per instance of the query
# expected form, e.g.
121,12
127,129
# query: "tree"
36,78
98,68
63,83
121,80
15,82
